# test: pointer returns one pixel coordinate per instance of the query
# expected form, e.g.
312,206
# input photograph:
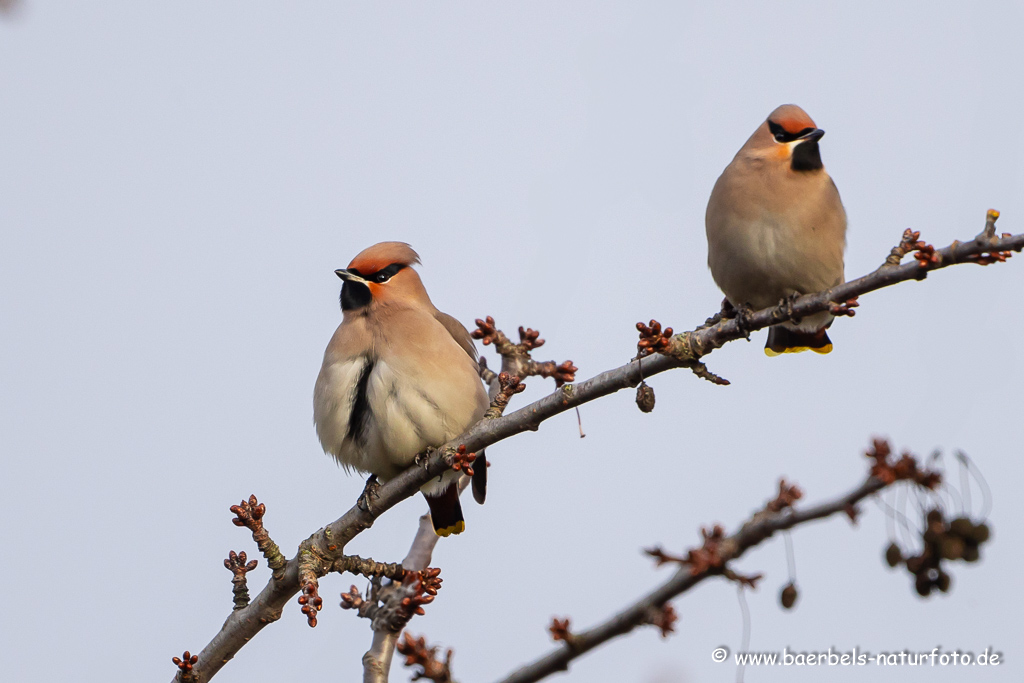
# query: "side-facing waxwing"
777,228
399,376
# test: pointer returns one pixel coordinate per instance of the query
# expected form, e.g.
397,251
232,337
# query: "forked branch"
684,350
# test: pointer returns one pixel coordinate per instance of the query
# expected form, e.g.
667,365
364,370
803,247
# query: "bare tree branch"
377,660
685,350
647,609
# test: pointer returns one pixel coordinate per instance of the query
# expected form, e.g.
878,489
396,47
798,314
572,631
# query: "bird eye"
381,277
782,135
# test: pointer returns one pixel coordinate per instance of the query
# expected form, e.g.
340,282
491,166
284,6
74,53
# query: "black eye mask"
355,295
782,135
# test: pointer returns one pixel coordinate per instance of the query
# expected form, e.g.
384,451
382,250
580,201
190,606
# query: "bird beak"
814,135
349,277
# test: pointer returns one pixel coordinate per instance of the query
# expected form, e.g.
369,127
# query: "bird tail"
446,511
784,340
480,478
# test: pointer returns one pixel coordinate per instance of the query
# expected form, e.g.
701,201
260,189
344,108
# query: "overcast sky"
180,179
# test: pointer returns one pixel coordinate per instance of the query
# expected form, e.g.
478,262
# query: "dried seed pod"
893,555
951,547
788,596
980,533
923,585
962,527
943,581
645,398
971,553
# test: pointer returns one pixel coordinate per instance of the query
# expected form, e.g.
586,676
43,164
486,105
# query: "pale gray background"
180,179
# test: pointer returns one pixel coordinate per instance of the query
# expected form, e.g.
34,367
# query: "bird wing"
458,332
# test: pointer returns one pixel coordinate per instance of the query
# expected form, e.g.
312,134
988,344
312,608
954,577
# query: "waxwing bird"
777,228
399,376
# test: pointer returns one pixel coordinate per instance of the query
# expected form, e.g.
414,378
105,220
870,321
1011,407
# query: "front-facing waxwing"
777,228
398,377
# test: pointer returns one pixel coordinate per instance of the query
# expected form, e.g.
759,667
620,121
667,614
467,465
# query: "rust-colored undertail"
446,512
784,340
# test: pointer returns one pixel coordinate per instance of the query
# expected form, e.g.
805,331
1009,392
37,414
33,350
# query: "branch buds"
185,664
422,587
905,468
236,564
559,629
706,558
509,386
528,338
463,461
417,653
652,338
664,619
352,600
562,373
845,308
311,601
788,494
486,331
249,514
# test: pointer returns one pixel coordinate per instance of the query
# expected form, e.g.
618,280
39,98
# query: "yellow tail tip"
771,353
456,528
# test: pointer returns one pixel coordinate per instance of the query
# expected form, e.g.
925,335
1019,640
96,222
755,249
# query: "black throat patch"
806,157
354,295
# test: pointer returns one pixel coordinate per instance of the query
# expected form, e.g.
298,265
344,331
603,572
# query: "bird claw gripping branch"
418,653
372,490
515,358
249,513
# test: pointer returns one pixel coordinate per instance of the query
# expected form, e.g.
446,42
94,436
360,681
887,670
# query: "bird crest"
381,255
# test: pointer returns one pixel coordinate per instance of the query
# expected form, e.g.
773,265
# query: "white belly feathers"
373,418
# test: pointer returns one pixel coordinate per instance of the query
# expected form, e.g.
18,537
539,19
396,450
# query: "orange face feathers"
381,274
381,255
